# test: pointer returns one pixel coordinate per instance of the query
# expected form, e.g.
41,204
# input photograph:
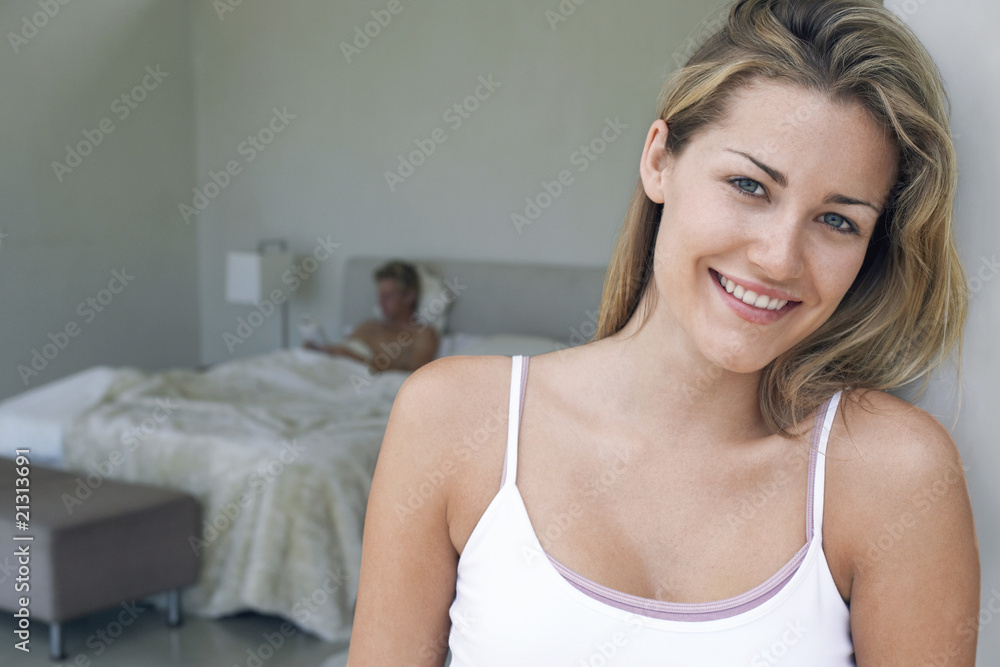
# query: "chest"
393,340
686,528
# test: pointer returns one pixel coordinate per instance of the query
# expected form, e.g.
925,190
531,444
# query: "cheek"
834,271
694,228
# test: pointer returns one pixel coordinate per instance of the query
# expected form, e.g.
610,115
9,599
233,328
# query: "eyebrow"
782,180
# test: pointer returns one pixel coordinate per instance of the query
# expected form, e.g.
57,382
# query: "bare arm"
915,591
408,562
425,346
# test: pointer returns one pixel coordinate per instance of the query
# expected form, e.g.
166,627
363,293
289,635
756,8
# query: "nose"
777,247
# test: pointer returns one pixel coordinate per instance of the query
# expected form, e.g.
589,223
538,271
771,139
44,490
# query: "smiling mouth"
749,297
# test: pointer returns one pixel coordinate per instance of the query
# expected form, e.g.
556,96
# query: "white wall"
64,238
960,35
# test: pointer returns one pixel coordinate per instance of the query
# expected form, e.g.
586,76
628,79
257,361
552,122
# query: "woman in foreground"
718,478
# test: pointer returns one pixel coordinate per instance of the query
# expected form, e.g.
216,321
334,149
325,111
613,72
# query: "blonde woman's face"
778,201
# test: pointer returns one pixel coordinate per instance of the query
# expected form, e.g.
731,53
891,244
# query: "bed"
280,448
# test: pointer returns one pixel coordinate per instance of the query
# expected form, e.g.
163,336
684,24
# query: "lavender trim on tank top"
697,611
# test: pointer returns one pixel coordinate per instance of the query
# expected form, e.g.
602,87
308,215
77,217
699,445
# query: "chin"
739,359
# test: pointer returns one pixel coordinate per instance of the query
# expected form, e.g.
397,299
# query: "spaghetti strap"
518,378
817,465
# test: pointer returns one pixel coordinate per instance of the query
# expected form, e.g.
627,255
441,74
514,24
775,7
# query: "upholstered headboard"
528,299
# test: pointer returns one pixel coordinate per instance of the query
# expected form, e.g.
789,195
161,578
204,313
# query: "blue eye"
839,223
748,185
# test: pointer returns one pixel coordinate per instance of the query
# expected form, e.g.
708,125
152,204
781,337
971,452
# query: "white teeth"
750,297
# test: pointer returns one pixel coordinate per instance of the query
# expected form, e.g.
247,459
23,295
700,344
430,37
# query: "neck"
402,318
662,379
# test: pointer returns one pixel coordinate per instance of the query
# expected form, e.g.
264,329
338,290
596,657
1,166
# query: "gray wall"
961,38
66,233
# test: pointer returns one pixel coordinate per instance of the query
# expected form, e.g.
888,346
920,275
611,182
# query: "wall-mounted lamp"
251,277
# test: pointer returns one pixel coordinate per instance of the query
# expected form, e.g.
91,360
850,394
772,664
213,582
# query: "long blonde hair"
906,310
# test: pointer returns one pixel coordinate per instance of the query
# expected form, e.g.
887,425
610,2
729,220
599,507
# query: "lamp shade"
252,276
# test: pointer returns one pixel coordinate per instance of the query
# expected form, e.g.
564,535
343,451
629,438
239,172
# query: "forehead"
388,285
806,135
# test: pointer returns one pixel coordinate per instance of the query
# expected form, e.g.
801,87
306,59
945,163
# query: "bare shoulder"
893,473
428,333
890,441
902,538
448,390
455,408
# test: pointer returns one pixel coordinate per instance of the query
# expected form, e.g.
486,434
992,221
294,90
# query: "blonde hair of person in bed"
906,310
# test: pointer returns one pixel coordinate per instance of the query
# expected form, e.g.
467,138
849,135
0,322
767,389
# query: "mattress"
39,418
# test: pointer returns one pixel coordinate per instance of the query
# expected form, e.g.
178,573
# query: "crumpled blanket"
279,449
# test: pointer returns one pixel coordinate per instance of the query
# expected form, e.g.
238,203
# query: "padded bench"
121,542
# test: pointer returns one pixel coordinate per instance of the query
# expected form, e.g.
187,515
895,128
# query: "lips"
751,312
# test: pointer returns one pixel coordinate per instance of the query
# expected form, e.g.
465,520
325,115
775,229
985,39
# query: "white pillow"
510,344
434,303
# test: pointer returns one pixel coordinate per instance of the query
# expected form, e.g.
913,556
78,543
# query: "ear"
654,161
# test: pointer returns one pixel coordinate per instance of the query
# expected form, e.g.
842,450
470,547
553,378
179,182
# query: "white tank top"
515,605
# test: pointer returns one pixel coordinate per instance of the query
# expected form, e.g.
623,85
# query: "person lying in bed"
399,341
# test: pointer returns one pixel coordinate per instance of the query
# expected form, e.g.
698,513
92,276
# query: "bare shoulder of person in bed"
441,457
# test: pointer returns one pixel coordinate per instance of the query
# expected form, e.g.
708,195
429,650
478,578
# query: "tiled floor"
148,642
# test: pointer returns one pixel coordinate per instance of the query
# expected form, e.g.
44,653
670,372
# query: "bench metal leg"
56,641
174,607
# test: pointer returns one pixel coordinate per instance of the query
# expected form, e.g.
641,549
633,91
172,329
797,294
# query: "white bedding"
279,449
38,418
